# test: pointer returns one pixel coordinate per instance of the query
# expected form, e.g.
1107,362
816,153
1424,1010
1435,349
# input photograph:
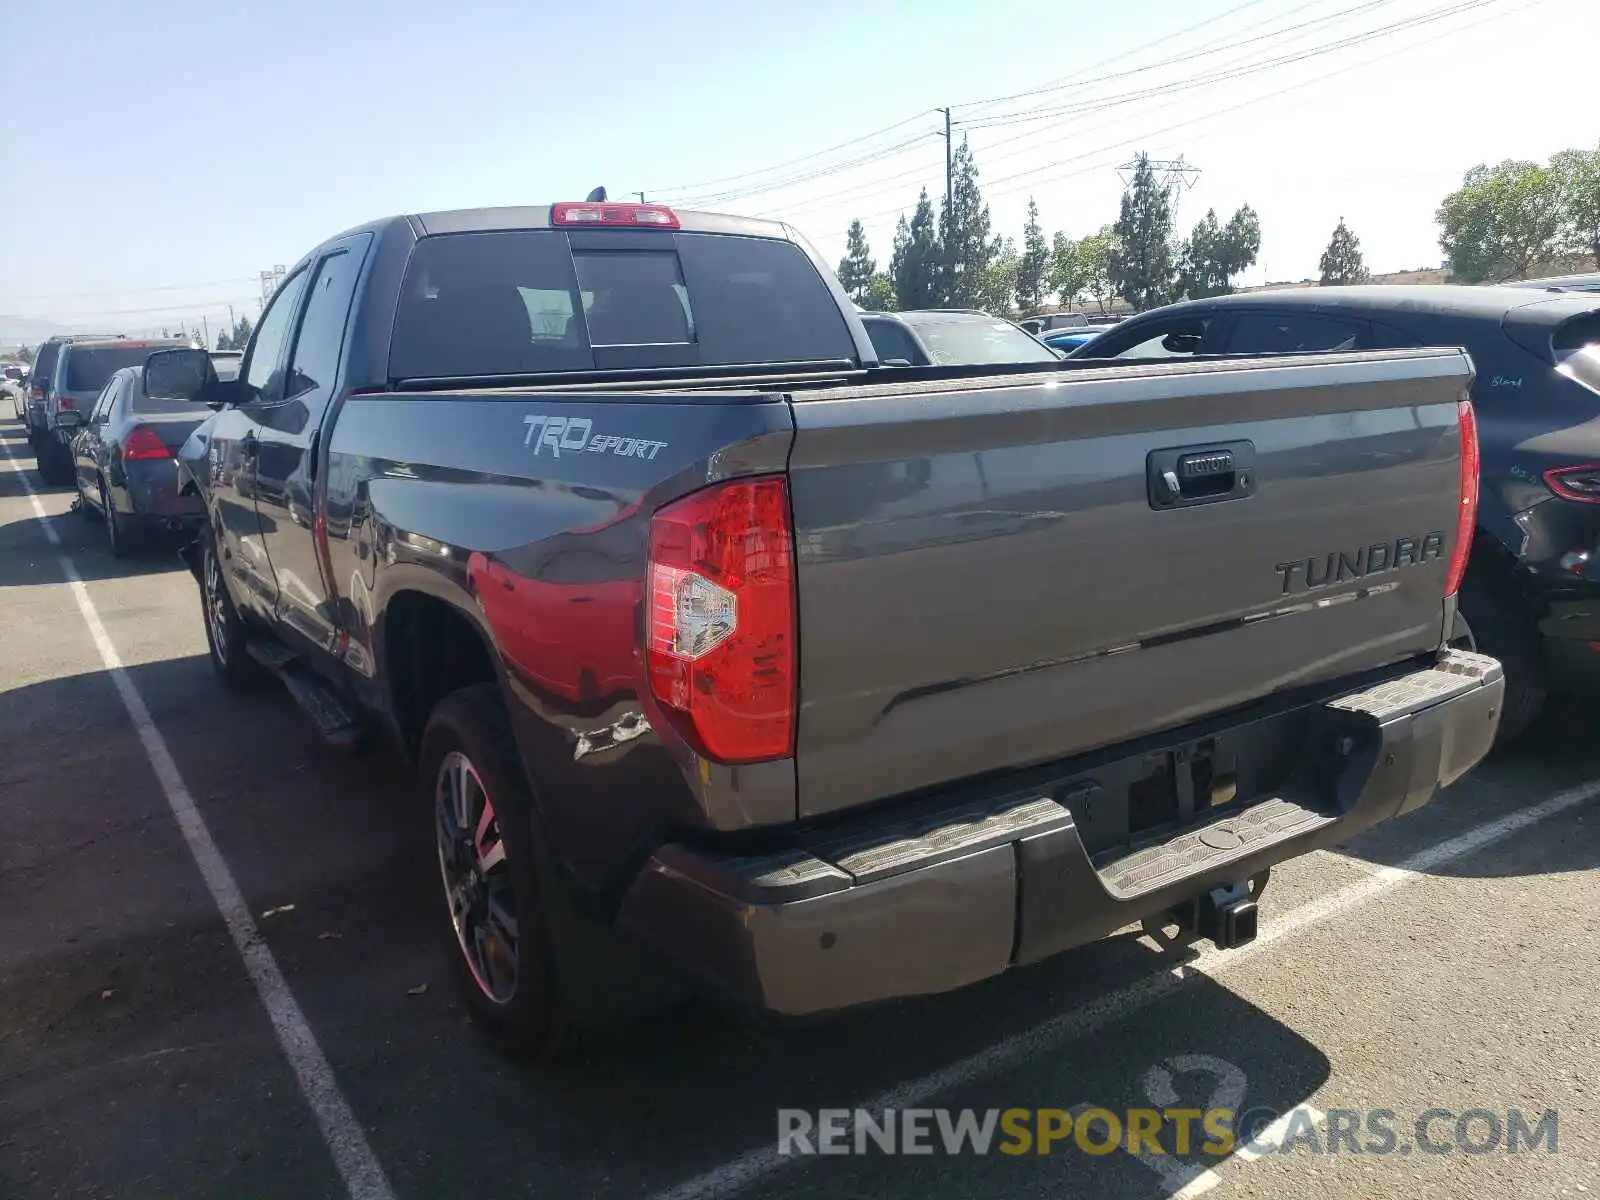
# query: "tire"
225,632
1503,628
507,976
117,533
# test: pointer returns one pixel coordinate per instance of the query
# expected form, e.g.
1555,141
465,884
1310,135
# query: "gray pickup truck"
720,648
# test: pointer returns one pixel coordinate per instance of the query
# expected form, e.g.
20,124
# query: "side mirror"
181,375
1182,343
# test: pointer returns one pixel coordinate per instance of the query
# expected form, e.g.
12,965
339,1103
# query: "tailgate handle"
1188,475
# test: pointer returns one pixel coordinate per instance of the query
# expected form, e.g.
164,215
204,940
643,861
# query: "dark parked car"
1563,283
950,338
82,367
1532,591
126,466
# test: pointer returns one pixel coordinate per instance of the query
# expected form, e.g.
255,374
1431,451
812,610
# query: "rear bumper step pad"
878,909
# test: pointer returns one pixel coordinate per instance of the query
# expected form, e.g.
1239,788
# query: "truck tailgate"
993,573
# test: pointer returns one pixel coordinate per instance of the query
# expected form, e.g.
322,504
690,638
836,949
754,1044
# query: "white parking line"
1030,1045
357,1165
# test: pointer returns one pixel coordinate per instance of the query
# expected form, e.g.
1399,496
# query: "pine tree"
964,235
1141,261
1215,253
1034,265
914,266
1341,261
856,269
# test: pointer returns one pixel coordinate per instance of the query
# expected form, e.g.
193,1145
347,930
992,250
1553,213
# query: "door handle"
1190,475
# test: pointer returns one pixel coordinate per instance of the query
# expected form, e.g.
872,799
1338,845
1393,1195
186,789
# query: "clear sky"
161,155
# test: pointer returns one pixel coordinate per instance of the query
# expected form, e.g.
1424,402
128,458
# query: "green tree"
1141,261
1579,172
1093,258
964,235
856,269
1034,265
914,267
1215,253
878,296
1000,278
242,328
1064,276
25,355
1341,261
1502,221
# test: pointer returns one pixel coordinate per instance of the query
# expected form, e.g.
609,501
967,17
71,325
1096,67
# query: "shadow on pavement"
340,838
1558,753
26,559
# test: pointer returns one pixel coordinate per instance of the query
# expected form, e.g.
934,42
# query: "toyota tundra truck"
725,654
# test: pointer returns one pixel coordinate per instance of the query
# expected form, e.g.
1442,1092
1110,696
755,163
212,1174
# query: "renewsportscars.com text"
1143,1132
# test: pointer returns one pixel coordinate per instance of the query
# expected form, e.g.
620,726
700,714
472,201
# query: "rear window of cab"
543,301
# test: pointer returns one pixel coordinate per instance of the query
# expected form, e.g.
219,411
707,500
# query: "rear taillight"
1467,513
65,404
1581,483
143,443
720,646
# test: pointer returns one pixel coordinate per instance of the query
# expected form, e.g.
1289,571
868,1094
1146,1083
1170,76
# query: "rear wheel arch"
427,647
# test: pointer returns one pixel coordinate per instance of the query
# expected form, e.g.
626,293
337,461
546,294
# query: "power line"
1187,57
1205,79
155,287
158,308
806,177
1172,87
1227,71
695,187
690,187
1122,144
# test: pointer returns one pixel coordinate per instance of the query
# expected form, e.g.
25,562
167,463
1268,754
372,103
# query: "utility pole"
205,323
949,161
641,196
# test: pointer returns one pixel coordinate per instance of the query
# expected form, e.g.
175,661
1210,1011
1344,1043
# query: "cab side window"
1294,333
263,372
103,402
1179,337
315,359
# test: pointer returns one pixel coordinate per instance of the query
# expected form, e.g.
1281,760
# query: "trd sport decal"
574,435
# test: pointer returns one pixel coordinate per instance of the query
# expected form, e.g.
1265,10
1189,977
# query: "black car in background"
125,462
1563,283
1532,591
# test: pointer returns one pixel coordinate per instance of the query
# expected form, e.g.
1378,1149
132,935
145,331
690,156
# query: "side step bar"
335,719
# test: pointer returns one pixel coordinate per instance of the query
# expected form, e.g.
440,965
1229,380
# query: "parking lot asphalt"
1446,960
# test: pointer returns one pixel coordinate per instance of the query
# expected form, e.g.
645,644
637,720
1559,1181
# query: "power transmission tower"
270,281
1173,175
